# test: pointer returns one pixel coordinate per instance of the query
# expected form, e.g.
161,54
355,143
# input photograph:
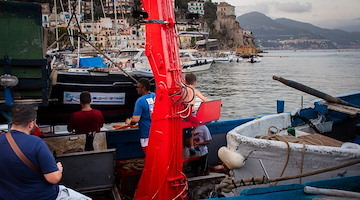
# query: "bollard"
280,106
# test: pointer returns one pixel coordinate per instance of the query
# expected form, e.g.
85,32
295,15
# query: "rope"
227,185
137,164
287,157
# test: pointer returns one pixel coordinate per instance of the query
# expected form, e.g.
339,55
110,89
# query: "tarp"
91,62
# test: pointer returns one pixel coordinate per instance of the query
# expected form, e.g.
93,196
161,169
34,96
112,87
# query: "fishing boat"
192,61
164,161
282,147
112,93
113,88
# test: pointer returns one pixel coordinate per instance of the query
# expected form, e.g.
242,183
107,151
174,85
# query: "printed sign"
98,98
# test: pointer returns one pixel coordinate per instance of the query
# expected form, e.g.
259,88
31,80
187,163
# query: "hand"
128,121
59,165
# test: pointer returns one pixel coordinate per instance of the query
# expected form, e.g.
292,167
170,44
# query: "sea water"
247,89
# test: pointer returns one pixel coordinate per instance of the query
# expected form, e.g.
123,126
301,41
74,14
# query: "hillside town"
116,28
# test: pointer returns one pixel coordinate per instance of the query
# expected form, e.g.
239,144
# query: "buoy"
350,145
231,159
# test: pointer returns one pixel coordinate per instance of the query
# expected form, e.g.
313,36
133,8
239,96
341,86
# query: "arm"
54,177
201,96
133,120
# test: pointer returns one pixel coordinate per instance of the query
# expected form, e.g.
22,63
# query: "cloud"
292,7
357,19
260,7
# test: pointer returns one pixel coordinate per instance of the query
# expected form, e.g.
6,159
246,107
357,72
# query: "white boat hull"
273,154
196,68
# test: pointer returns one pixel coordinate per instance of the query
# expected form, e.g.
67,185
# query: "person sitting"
39,178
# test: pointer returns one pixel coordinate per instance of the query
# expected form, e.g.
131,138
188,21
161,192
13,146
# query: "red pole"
162,177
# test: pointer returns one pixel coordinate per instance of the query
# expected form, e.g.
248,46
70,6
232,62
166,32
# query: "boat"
113,89
192,61
253,59
225,57
335,188
133,61
113,94
282,147
163,164
110,79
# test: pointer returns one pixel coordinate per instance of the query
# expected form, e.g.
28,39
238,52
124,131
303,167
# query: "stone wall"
229,32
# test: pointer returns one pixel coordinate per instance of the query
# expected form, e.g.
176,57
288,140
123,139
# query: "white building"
196,7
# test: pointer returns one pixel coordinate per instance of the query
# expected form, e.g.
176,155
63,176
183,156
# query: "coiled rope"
133,165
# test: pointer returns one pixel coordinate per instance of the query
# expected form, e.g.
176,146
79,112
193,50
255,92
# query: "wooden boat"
287,145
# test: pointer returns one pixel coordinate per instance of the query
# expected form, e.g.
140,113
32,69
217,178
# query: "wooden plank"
341,108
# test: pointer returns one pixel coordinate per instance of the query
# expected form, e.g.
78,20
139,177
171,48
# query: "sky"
344,14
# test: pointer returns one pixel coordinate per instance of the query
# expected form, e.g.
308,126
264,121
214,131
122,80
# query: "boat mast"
102,7
115,13
92,20
56,27
79,39
71,27
62,6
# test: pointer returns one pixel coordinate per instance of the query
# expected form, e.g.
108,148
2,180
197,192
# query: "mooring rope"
228,184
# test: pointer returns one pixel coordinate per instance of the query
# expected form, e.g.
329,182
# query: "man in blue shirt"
17,180
142,112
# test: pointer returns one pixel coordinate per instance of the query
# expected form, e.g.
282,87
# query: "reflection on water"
247,89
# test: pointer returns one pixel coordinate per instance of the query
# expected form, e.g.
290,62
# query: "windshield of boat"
126,54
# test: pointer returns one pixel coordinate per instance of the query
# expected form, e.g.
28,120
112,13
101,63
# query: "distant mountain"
290,34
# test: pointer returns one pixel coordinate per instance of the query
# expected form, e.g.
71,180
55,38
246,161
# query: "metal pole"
92,20
115,13
56,26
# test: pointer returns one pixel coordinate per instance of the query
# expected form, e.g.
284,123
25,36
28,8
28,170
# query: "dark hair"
190,78
23,115
145,83
85,97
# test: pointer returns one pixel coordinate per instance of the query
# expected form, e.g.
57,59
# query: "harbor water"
247,89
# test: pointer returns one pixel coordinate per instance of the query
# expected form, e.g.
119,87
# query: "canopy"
91,62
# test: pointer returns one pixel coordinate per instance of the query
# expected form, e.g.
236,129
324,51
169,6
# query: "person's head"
24,116
85,97
143,86
190,79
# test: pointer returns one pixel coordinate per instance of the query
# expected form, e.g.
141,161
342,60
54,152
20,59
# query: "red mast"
162,177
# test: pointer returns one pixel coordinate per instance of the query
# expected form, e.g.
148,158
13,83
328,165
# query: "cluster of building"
114,30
